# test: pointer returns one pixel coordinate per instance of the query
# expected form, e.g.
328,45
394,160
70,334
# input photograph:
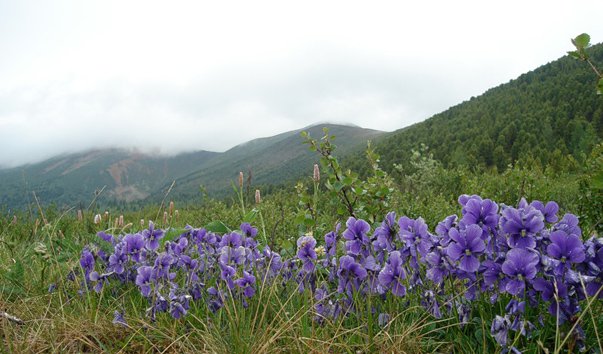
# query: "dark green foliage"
547,113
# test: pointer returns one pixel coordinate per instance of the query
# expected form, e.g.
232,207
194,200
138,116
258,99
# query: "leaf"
250,216
582,41
574,54
347,180
217,227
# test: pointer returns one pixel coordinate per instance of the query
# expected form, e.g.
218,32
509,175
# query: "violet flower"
246,282
118,259
521,226
87,261
393,274
482,212
162,266
443,229
152,236
232,239
519,267
144,279
500,330
385,233
306,252
438,267
248,230
350,274
356,236
414,233
565,249
134,246
549,211
466,246
118,319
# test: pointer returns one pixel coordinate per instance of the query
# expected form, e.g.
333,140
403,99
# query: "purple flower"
232,255
118,259
232,239
177,310
392,275
216,299
248,230
466,247
87,261
105,237
134,246
480,212
118,319
549,210
350,275
331,243
152,236
246,283
178,246
500,329
519,266
356,235
438,266
414,234
444,228
521,226
273,259
569,224
493,273
306,252
226,274
144,278
566,248
385,233
162,265
431,304
549,288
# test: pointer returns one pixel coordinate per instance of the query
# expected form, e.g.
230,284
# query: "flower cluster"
196,265
522,256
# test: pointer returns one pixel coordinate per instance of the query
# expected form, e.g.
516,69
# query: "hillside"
130,176
546,113
73,179
278,159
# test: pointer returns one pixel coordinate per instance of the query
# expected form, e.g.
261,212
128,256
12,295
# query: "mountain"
130,176
547,113
278,159
73,179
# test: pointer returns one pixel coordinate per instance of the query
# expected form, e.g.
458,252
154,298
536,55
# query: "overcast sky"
175,76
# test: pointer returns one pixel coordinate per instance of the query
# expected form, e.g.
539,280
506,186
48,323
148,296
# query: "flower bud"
316,175
97,219
80,216
142,223
241,179
165,217
171,209
121,221
258,197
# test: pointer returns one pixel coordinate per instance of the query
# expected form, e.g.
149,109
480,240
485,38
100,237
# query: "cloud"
191,75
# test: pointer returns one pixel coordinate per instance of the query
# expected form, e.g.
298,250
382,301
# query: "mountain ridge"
130,175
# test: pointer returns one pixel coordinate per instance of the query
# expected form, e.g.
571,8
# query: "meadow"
426,260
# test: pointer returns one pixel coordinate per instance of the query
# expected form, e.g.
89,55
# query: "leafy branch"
582,42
